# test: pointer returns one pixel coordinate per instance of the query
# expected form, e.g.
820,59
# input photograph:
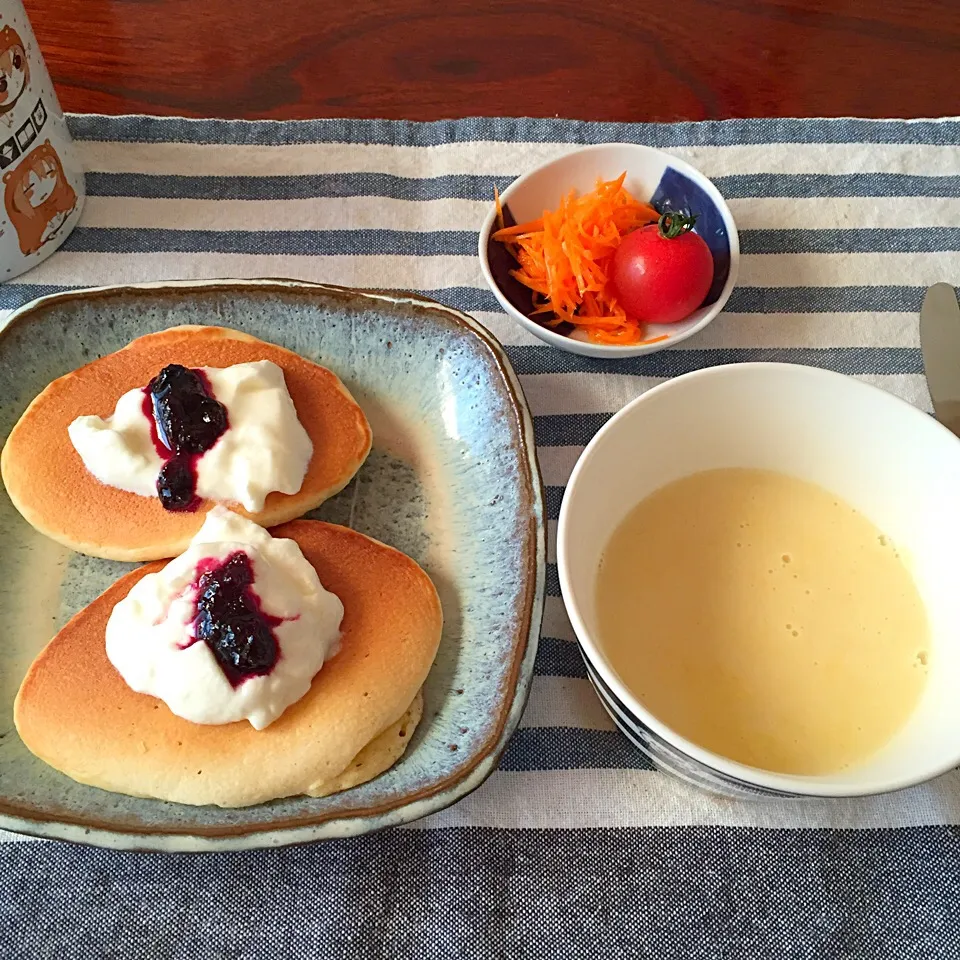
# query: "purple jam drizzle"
185,422
230,621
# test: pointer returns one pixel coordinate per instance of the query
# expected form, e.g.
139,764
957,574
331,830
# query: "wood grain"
423,59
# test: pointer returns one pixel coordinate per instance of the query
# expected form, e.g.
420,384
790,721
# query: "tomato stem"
672,225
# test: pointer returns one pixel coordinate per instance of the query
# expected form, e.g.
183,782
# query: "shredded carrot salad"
566,259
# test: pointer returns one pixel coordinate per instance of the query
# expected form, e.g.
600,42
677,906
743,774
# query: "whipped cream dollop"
152,634
264,448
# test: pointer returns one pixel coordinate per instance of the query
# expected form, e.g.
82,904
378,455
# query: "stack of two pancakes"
76,713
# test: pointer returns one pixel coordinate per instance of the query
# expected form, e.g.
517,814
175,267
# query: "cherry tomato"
662,272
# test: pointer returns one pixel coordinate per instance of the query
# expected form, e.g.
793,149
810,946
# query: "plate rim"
411,806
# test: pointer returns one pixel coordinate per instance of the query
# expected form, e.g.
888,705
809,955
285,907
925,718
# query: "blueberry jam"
177,483
229,620
186,421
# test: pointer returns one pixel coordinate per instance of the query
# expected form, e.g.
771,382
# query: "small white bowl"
652,176
891,461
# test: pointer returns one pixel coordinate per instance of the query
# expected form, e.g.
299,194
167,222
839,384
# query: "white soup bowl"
892,462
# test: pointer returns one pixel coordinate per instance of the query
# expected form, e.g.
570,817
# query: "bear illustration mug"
40,174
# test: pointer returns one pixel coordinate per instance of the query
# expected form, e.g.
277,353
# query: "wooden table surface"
427,59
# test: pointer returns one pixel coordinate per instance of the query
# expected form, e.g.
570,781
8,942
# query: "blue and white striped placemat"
574,848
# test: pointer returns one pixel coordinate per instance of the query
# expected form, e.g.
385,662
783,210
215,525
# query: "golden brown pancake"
50,486
75,712
379,755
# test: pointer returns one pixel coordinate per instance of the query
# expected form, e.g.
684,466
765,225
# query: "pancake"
378,756
76,713
50,486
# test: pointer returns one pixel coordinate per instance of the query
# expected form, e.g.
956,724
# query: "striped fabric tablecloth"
574,848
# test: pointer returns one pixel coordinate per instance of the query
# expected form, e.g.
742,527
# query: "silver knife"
940,346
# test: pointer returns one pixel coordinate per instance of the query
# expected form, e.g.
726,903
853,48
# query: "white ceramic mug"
43,188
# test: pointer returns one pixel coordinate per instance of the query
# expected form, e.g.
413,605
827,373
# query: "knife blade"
940,347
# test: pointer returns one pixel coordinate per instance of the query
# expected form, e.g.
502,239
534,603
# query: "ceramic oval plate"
452,480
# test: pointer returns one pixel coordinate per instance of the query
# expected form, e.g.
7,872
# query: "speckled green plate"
452,481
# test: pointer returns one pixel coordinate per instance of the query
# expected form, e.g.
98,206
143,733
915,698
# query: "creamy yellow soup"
765,619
